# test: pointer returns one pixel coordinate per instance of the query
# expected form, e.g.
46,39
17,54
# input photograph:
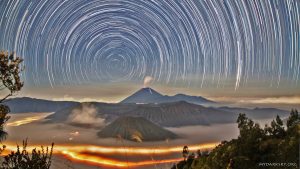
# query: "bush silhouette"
254,146
22,159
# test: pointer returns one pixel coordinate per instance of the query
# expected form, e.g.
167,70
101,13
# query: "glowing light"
115,163
80,153
26,120
76,133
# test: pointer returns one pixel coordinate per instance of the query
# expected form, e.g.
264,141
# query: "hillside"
277,143
135,129
27,104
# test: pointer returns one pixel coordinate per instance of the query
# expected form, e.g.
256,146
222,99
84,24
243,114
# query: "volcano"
149,95
144,95
135,129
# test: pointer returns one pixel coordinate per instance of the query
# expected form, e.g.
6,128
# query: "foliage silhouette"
254,147
10,73
9,79
22,159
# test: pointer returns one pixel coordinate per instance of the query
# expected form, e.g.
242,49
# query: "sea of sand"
32,126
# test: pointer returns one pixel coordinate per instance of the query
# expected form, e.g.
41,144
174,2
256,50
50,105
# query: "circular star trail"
197,42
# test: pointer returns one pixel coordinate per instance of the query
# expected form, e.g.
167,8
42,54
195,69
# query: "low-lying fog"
31,126
38,132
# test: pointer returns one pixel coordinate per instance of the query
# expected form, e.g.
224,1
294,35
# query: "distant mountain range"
173,114
257,113
148,95
166,111
143,96
27,104
135,129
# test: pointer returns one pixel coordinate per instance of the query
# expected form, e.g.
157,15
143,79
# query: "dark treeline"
274,146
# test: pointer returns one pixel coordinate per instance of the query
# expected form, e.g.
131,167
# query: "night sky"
210,47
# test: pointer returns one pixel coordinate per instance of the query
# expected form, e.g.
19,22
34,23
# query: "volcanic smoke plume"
86,115
147,81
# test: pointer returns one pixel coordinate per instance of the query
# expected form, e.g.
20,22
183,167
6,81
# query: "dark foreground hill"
136,129
276,143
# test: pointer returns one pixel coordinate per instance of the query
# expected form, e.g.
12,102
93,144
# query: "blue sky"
213,48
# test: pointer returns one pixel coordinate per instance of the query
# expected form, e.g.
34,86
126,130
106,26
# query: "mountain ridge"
173,114
28,104
149,95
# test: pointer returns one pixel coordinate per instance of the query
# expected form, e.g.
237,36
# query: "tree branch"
5,97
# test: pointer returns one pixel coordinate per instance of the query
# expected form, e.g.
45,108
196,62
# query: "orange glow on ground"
27,120
115,163
79,153
96,154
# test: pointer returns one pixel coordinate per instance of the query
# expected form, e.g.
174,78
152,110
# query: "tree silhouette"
10,73
9,80
10,70
22,159
255,145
